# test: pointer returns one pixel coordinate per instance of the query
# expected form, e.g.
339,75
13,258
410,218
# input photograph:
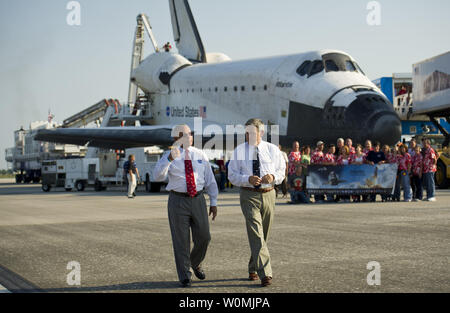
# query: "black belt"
185,194
258,190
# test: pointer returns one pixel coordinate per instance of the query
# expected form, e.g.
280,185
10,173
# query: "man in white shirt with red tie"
257,166
190,175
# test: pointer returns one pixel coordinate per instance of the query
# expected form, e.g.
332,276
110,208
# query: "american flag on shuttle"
202,111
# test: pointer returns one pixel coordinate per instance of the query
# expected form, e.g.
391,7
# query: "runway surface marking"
4,290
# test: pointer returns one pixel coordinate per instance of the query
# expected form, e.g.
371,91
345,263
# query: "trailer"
431,93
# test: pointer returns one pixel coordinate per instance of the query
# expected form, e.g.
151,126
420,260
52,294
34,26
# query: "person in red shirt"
317,158
330,157
404,167
344,156
390,157
416,179
294,157
358,158
330,160
429,169
403,91
343,160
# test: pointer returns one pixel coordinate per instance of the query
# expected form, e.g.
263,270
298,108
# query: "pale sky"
47,64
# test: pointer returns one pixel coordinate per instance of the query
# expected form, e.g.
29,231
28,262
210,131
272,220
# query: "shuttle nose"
375,119
387,129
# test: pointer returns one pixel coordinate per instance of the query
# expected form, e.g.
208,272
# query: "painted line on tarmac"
4,290
13,283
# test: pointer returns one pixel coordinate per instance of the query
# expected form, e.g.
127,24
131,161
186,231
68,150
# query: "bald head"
182,135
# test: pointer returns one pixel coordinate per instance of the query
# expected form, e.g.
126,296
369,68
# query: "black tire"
27,179
441,176
147,183
80,185
68,189
19,179
46,188
98,186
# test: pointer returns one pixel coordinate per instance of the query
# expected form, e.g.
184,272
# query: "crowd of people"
416,168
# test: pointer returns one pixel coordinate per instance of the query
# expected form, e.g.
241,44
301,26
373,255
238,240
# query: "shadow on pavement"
160,285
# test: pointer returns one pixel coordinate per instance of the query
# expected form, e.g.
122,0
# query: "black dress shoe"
199,273
186,283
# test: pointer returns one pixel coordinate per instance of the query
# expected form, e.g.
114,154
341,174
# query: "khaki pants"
186,214
131,184
258,209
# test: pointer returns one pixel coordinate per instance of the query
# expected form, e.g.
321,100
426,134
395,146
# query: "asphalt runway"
124,245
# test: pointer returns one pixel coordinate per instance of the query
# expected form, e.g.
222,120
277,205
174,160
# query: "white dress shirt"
175,172
270,159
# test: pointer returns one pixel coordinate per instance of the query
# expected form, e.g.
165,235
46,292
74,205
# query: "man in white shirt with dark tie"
257,166
190,175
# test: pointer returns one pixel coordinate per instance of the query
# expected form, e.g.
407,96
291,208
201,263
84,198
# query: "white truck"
69,173
146,159
101,171
431,94
26,155
82,172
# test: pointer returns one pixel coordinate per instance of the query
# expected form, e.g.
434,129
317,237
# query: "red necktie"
190,179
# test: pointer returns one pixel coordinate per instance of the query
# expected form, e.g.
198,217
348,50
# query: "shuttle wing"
185,31
109,137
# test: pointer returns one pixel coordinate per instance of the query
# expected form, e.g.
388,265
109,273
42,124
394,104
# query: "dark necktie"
256,166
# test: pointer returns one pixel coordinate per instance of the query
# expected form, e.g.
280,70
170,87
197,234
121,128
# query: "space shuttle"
311,96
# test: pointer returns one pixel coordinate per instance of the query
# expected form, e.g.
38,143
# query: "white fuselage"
232,92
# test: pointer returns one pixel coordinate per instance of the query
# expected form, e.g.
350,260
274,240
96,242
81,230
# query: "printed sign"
352,179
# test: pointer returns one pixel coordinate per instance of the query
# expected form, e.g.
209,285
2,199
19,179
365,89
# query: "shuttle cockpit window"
331,66
316,67
310,68
359,69
350,66
304,68
340,62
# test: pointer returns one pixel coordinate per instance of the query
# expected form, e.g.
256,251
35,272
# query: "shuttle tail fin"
185,32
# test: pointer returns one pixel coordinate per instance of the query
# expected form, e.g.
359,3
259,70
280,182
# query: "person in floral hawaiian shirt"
343,160
429,169
416,175
317,158
294,158
404,166
330,158
391,158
